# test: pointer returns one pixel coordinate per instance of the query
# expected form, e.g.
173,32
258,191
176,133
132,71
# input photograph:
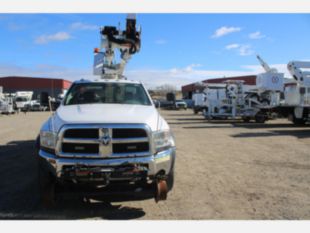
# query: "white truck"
228,101
232,99
106,138
23,99
6,105
296,104
199,99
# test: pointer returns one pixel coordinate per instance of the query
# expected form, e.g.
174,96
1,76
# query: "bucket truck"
107,138
227,101
296,103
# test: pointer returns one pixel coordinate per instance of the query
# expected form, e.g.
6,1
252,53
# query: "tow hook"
161,190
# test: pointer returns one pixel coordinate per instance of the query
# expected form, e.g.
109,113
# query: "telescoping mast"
115,41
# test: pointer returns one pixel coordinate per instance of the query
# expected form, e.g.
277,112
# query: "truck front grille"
104,141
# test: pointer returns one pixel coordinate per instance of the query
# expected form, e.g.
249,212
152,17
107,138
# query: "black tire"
170,178
46,184
298,121
246,119
259,118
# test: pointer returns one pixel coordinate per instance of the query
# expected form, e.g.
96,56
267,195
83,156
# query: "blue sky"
176,48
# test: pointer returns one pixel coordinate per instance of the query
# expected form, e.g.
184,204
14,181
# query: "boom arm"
266,66
295,69
127,42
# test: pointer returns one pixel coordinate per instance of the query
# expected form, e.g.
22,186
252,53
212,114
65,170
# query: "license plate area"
128,172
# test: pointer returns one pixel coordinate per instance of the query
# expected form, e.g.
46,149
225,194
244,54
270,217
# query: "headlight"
48,139
163,140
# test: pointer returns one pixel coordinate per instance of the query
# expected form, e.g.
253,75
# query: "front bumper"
159,163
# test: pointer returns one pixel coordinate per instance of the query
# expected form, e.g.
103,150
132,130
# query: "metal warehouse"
188,90
50,86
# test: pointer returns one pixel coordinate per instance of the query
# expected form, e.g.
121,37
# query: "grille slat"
130,147
81,148
81,133
129,133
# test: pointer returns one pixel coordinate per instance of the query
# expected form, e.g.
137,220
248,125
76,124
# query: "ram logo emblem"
105,138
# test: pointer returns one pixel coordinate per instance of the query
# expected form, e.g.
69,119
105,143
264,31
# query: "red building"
51,86
189,89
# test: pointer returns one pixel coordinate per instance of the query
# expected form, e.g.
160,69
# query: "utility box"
270,81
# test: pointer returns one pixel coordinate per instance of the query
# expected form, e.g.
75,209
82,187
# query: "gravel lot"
224,170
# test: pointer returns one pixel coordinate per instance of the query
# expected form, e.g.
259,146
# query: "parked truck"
107,138
23,100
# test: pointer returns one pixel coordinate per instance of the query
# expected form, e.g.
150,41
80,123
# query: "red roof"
248,80
17,82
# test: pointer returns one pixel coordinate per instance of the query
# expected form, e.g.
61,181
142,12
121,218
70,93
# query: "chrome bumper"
156,163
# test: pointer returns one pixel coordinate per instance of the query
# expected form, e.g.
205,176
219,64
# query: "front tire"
299,121
260,118
46,184
170,179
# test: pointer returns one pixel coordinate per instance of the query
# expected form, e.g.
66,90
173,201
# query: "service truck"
106,138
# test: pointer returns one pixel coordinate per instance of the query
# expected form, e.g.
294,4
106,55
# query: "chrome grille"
104,141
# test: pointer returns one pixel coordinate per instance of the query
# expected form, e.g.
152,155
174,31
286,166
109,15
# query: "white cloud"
222,31
242,49
256,35
160,41
245,50
256,69
83,26
59,36
232,46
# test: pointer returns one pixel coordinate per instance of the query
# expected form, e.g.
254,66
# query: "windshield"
21,99
107,93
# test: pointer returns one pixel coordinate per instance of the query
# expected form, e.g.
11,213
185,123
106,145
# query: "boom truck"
231,100
106,139
296,104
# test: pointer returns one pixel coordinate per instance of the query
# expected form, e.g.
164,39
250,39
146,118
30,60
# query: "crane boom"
127,42
296,69
266,66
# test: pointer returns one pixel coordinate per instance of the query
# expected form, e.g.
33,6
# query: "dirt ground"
224,170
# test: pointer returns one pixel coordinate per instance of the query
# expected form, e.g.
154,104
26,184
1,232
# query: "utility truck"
23,99
107,139
199,99
6,104
296,104
228,101
231,100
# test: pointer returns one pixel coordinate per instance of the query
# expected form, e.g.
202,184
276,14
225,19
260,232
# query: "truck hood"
108,113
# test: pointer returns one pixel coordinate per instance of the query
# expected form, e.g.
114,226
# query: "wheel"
299,121
246,119
259,118
170,179
46,184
